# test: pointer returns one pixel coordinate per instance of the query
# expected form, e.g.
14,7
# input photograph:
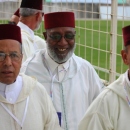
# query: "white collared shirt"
53,65
11,91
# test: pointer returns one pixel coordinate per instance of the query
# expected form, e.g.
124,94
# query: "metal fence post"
113,41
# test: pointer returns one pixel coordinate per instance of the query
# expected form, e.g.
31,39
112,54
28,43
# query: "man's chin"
7,81
61,59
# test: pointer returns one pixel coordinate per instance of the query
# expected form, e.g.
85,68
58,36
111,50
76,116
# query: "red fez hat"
59,19
17,12
126,35
10,31
33,4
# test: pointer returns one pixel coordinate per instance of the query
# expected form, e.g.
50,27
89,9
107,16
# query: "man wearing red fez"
24,103
111,109
71,81
30,19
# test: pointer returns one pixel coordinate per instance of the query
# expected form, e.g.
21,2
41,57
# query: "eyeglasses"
13,56
57,37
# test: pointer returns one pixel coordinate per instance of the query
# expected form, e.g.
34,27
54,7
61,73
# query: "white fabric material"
13,116
61,72
37,113
11,91
110,110
40,42
2,89
71,96
30,42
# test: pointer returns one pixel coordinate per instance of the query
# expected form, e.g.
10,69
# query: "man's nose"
62,41
7,61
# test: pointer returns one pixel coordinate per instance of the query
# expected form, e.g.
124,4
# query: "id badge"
59,116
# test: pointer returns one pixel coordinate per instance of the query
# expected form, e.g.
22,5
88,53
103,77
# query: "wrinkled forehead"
9,44
61,29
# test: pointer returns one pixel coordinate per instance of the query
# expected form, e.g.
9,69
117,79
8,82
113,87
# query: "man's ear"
45,35
124,57
37,15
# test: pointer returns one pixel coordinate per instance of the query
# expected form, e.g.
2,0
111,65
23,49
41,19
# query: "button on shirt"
11,91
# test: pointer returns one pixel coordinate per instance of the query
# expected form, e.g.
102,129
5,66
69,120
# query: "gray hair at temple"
25,12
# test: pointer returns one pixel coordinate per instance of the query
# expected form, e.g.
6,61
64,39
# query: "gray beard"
56,58
38,26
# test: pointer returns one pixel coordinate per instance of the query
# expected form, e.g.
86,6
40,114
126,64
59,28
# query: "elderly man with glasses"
71,81
24,103
31,15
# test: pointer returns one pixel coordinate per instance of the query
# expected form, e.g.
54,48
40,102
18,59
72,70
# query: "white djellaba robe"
110,110
30,42
33,109
72,96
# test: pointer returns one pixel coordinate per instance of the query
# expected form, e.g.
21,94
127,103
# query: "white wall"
123,12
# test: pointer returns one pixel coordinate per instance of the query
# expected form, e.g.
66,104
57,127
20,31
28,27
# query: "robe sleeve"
94,121
99,115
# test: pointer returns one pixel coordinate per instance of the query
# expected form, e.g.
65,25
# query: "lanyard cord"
51,90
25,112
53,77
